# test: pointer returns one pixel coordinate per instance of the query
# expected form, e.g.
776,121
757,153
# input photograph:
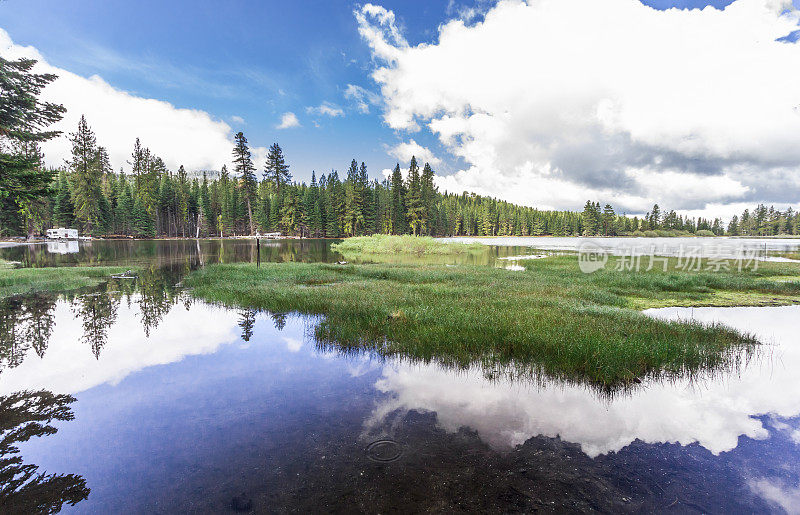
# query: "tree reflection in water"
280,320
23,489
247,321
27,321
97,312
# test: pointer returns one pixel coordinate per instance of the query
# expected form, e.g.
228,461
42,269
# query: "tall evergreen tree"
183,194
227,207
315,222
398,203
124,214
86,177
63,208
276,170
428,194
24,122
243,167
589,219
608,220
414,205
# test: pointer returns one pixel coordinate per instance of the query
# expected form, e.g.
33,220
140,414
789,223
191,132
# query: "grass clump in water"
788,255
56,279
406,244
551,318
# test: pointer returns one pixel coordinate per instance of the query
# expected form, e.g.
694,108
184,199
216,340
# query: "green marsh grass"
30,280
789,255
550,317
406,244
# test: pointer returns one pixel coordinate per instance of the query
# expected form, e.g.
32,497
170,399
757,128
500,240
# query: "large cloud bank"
186,137
551,102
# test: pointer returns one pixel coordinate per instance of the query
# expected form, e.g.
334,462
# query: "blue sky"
251,61
254,60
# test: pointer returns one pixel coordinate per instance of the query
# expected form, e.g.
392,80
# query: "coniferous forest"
151,200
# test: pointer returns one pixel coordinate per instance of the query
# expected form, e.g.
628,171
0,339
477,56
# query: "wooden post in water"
258,252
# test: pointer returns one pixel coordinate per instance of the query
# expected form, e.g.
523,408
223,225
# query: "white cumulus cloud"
188,137
551,102
361,97
288,120
403,152
326,109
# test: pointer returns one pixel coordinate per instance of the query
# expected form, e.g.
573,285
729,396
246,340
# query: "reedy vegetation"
406,244
550,319
29,280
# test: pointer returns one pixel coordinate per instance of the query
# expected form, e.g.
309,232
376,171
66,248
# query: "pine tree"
414,205
315,207
733,226
142,223
290,211
332,229
227,208
63,208
276,170
589,219
428,195
655,217
243,167
86,177
125,210
183,195
205,206
398,203
23,126
608,220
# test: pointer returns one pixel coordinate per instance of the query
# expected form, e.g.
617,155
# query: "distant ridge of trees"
152,200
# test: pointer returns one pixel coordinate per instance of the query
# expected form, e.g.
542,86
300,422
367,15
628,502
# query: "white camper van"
62,234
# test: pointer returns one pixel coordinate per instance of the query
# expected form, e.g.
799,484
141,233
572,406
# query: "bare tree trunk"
250,215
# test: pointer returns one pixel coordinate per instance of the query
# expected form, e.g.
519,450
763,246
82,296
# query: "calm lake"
185,406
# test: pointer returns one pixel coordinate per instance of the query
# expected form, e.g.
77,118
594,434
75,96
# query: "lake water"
705,247
185,406
199,252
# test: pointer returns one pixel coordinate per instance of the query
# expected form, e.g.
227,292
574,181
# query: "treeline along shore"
150,200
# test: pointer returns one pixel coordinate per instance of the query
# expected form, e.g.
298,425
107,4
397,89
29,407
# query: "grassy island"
55,279
788,255
379,244
551,317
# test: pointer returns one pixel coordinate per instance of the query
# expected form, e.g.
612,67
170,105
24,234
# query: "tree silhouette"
12,347
39,321
247,321
98,312
25,415
280,320
156,297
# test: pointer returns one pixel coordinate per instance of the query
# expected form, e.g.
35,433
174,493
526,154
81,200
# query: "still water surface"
718,246
185,406
200,252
